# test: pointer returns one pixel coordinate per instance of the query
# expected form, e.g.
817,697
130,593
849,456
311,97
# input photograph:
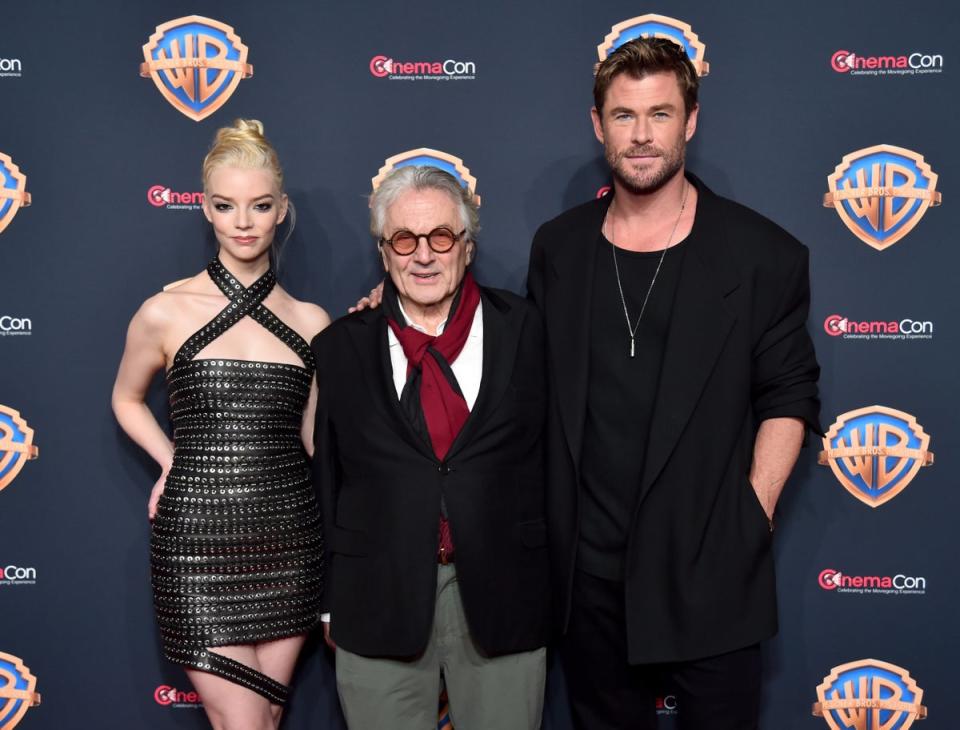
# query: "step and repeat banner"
836,120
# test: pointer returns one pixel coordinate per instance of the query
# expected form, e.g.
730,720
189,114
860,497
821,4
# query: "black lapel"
567,306
699,326
368,331
501,335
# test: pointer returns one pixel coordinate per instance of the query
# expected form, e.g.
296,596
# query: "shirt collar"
476,329
418,328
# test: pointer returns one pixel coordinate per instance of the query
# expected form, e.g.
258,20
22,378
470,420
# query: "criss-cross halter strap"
244,302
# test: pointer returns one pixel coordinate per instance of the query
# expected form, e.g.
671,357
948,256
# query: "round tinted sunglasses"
440,240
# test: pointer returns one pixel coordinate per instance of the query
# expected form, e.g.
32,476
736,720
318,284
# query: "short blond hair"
242,144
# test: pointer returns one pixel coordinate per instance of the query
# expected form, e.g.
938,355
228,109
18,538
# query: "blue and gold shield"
652,25
197,63
16,446
876,452
17,691
869,695
881,193
13,191
432,158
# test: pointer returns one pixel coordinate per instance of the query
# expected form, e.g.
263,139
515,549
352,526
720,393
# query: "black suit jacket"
381,484
698,569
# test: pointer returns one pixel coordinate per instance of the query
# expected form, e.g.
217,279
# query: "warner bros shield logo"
876,452
16,447
197,63
13,191
869,695
881,193
424,156
656,26
17,691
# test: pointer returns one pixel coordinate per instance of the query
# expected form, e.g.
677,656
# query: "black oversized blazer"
699,575
380,486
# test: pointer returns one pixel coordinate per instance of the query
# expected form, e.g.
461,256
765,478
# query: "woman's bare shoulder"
307,318
170,303
315,315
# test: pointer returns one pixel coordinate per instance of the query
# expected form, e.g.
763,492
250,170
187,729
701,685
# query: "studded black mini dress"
236,548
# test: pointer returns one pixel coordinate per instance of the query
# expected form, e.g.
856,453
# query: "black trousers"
607,693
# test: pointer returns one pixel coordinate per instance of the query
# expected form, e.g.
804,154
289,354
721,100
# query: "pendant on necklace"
631,347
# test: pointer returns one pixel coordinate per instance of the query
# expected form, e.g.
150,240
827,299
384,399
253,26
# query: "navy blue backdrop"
864,561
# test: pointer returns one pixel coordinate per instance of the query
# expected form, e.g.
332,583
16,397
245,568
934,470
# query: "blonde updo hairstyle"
244,145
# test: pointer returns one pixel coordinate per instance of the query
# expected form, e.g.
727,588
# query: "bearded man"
681,381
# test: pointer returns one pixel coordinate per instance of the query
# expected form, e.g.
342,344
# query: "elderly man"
429,465
683,380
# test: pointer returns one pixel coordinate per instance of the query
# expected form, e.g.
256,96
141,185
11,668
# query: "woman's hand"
326,636
155,496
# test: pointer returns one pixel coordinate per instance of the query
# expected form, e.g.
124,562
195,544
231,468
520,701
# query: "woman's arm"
309,413
143,356
317,320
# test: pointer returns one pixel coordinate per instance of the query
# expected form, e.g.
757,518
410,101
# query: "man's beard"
648,181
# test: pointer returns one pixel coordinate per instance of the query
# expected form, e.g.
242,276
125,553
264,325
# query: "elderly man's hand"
372,300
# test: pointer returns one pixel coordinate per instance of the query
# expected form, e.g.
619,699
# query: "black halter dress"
236,549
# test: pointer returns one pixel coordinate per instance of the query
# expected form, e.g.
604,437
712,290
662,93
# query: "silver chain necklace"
608,219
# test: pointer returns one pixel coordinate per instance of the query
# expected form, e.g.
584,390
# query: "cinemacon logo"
15,573
161,196
383,66
166,695
837,325
834,580
667,705
11,67
847,61
15,325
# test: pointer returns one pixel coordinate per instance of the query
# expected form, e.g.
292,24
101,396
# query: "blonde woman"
236,544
